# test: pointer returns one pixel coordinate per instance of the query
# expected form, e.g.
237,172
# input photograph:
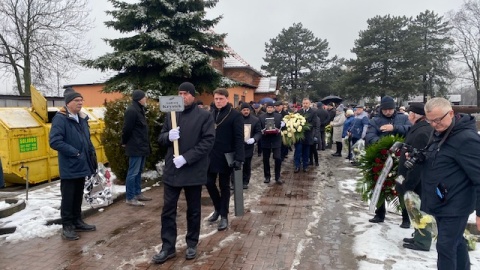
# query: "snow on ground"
378,246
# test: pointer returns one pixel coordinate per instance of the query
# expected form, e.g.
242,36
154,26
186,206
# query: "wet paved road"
298,225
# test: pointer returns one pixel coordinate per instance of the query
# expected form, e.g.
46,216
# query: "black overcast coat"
417,137
197,135
229,138
255,132
271,140
135,131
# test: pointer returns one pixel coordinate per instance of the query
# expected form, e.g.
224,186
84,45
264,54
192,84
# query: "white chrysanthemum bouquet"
295,127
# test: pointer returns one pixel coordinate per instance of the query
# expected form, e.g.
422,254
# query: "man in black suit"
229,139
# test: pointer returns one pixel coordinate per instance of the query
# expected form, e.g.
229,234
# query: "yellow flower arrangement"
419,219
294,130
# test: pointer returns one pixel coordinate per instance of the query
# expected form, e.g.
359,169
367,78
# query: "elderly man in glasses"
450,180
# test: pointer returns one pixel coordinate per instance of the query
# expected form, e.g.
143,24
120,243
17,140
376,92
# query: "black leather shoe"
336,154
414,247
245,186
81,226
214,216
191,253
296,170
279,181
408,240
405,225
267,180
376,219
223,224
316,164
69,233
163,256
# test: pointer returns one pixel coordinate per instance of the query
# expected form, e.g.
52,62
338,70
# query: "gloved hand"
237,165
282,124
250,141
179,161
174,134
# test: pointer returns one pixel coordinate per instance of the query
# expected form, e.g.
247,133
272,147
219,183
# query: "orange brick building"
253,85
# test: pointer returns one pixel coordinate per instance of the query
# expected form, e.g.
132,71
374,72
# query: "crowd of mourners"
207,143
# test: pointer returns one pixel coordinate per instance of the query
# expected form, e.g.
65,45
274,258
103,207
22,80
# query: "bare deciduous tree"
466,34
41,41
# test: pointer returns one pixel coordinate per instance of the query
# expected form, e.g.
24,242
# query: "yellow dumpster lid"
98,112
17,118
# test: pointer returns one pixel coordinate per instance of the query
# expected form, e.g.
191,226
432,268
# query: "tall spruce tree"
292,56
167,42
431,50
381,67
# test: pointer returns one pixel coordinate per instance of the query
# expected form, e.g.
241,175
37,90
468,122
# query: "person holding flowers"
387,122
302,147
271,123
450,180
417,137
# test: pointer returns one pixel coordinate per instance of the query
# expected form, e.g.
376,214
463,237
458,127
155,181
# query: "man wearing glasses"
70,136
450,182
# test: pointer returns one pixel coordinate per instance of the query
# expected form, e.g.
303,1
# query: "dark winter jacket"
360,122
324,118
398,120
255,133
417,137
455,165
347,125
271,140
135,131
229,137
331,114
197,135
76,154
312,119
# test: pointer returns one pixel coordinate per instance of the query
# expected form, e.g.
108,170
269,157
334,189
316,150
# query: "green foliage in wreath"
371,165
112,136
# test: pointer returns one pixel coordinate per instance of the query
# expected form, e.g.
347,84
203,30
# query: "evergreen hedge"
112,135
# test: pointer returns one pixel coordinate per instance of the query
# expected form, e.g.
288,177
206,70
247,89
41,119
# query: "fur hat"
245,105
387,103
70,95
187,86
417,107
349,112
137,95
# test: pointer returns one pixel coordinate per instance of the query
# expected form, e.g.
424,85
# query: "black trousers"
72,198
313,153
266,162
284,151
247,170
220,198
193,195
321,141
451,246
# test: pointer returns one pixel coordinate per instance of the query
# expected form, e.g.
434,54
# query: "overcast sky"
251,23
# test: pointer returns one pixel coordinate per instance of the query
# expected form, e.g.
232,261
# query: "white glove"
282,124
250,141
174,134
179,161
